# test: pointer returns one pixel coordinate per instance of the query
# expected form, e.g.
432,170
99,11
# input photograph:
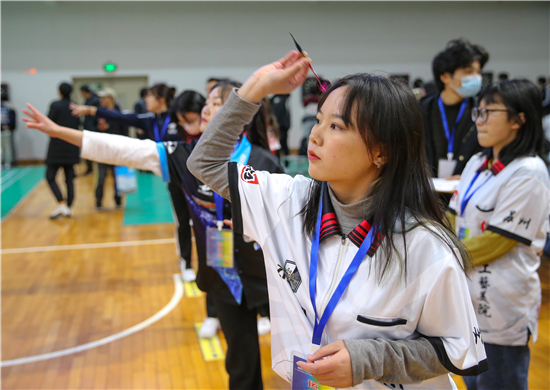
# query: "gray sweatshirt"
384,360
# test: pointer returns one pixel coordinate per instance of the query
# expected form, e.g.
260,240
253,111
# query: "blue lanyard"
468,196
240,154
451,135
164,128
344,282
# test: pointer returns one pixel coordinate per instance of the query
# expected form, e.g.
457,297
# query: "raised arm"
104,148
129,118
209,159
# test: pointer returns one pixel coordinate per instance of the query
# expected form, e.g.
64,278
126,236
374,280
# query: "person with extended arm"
364,274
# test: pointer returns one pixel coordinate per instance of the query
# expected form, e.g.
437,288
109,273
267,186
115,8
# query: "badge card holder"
445,168
303,380
219,246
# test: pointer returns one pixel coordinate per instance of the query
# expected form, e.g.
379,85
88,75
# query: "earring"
378,165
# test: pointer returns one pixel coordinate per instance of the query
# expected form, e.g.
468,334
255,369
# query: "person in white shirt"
500,210
364,272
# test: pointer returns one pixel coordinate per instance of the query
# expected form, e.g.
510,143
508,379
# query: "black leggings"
103,169
240,327
51,171
183,230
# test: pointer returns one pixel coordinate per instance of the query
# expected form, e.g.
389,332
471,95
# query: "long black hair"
387,116
187,101
256,130
520,96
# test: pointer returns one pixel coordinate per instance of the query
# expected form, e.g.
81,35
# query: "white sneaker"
209,328
188,275
264,326
66,210
59,211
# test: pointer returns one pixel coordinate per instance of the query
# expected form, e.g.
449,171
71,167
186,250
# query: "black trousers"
243,363
103,169
183,230
51,171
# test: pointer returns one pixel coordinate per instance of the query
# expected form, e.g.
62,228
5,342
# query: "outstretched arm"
41,122
129,118
105,148
209,159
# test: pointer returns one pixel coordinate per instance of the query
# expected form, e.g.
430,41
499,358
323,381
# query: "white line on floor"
178,293
8,175
14,179
87,246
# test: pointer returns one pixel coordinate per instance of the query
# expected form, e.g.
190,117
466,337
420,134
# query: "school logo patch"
483,226
290,273
172,128
171,146
248,175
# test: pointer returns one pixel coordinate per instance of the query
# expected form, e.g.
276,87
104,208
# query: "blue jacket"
146,122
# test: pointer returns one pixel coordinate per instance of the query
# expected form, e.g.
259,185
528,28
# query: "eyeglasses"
482,113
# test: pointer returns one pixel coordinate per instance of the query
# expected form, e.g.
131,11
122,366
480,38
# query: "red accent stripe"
497,167
328,223
327,216
355,241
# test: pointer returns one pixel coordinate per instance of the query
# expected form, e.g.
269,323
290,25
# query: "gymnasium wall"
183,43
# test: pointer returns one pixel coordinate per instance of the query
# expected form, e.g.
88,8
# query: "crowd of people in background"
489,138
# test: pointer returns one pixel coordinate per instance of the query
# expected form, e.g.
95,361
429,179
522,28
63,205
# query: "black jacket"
200,198
466,144
146,122
59,151
90,121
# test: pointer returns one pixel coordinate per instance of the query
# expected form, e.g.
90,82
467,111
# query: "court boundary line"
23,199
176,298
53,248
15,178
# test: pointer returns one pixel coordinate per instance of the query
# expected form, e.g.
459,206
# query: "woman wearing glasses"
500,212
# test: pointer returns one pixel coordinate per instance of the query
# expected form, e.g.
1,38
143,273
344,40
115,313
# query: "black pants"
284,142
103,169
51,171
243,363
183,230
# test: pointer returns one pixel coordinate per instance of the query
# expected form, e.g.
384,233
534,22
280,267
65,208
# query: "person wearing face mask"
450,134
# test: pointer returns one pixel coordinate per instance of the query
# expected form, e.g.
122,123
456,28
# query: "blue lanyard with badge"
219,241
164,128
464,231
447,167
319,326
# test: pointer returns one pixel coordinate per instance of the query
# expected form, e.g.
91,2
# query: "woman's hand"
279,77
82,110
37,120
41,122
333,371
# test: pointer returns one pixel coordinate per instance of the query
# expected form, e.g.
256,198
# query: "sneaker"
67,211
209,328
98,208
264,326
120,207
188,275
59,211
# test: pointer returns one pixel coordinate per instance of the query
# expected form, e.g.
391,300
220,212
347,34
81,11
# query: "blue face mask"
471,85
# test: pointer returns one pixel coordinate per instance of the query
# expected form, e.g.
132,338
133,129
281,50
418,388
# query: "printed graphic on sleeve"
248,175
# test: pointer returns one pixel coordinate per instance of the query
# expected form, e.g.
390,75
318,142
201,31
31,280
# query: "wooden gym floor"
75,292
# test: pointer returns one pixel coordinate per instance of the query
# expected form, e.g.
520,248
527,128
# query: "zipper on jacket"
334,282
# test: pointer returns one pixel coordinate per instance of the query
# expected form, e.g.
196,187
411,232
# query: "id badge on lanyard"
303,380
447,167
219,241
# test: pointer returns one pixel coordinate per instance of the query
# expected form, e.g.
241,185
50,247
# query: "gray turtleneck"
384,360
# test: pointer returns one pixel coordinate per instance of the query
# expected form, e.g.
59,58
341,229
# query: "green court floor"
17,183
150,203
